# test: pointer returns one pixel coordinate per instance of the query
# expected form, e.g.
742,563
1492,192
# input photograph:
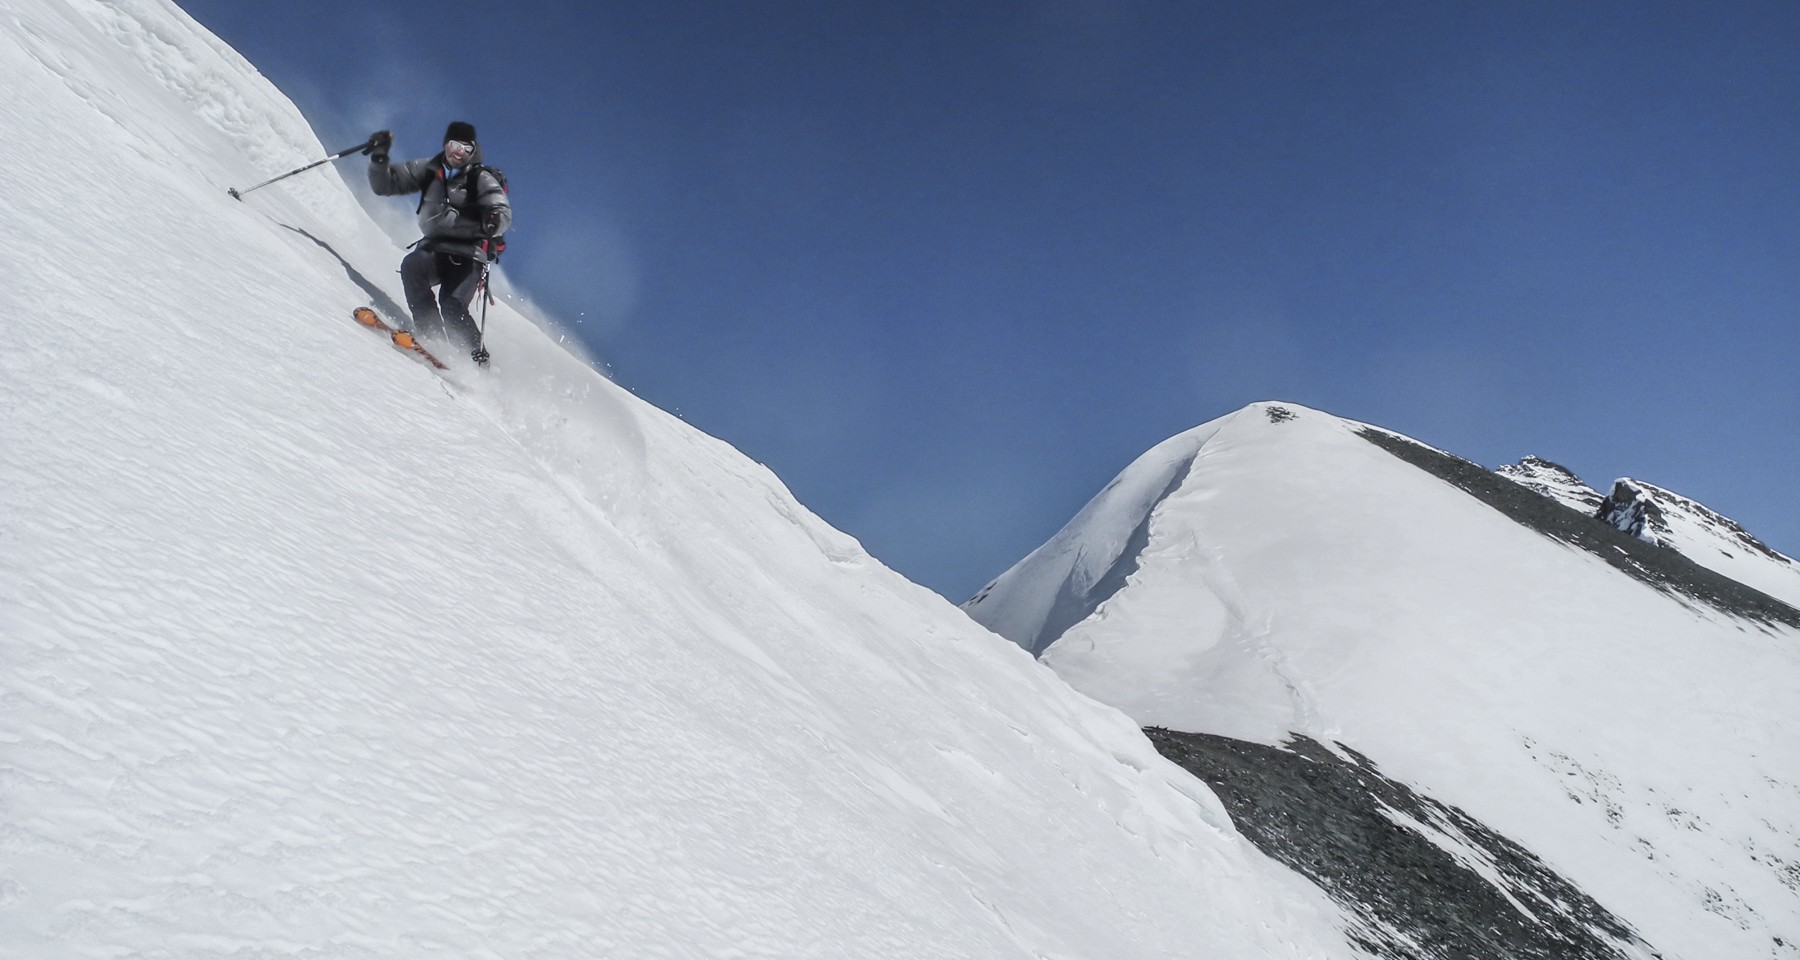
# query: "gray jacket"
451,211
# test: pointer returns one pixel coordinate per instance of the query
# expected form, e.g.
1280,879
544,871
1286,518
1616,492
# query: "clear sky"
948,267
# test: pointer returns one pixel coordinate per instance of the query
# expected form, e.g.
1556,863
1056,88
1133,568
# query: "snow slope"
305,650
1279,573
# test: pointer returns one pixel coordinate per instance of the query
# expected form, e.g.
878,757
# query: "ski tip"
366,317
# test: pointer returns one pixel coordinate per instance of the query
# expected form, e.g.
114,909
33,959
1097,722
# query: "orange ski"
403,339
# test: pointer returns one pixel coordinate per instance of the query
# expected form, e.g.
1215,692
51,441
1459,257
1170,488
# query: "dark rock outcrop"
1625,509
1553,480
1401,863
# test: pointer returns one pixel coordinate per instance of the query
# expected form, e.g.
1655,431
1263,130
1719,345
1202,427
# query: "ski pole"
481,290
239,194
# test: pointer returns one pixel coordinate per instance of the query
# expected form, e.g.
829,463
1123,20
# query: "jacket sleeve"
490,196
395,179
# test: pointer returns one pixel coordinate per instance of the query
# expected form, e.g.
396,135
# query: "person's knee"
416,279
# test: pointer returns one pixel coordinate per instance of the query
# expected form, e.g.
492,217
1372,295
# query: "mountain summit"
1368,645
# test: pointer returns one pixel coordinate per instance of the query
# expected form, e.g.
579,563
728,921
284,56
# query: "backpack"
492,246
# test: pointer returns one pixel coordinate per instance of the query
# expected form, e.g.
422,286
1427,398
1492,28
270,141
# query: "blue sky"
947,268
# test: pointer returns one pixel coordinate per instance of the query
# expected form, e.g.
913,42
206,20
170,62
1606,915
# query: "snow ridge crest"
1071,576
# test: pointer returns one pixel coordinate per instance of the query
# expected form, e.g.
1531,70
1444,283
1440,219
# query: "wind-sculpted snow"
308,651
1093,557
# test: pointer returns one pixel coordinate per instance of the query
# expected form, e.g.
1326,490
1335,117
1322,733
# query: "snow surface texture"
1294,578
308,651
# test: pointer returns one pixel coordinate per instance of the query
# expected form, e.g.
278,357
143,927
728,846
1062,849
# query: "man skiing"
462,207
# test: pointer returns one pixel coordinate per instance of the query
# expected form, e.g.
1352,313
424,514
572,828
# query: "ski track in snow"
1251,631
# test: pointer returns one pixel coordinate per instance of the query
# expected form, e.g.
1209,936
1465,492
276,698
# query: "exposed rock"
1422,878
1627,510
1555,481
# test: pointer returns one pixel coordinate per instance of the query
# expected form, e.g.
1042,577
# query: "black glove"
379,143
490,222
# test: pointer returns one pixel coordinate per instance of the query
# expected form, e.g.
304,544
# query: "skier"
462,207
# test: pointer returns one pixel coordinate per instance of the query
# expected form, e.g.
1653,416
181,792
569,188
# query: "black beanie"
459,130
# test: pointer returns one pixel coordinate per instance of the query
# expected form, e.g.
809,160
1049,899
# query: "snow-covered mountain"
1488,723
306,650
1670,520
1701,534
1555,481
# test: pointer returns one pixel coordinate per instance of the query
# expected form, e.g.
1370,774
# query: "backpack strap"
492,247
474,172
437,172
471,175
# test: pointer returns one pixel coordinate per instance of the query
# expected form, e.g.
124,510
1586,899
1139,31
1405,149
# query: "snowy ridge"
1314,580
1555,481
309,651
1666,570
1670,520
1071,575
1701,534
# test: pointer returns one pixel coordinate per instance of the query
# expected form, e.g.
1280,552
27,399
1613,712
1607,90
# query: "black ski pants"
456,277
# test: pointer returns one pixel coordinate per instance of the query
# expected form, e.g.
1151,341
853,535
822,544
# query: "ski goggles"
457,149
